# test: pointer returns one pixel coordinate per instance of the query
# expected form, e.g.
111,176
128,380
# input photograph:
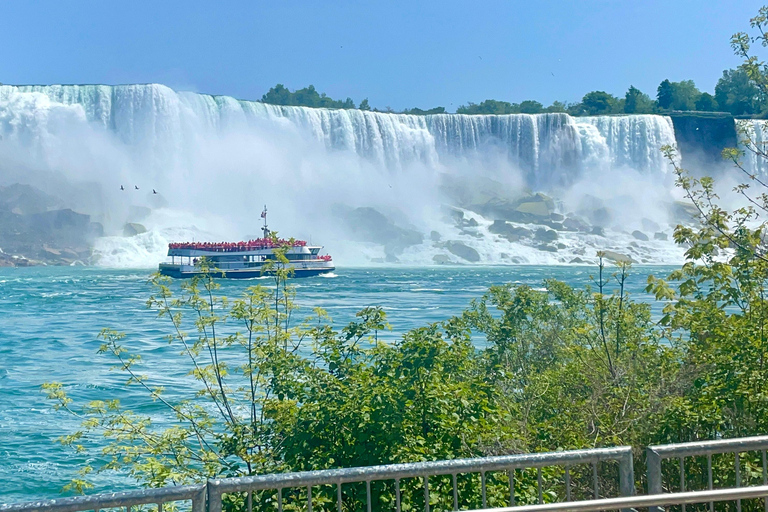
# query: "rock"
601,217
684,211
369,225
434,236
27,200
577,261
453,214
554,225
506,230
547,248
556,217
615,256
471,223
561,246
133,229
660,236
572,224
545,235
640,235
441,259
598,230
649,225
462,251
50,251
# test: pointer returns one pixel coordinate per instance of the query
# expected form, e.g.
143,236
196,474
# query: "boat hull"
177,272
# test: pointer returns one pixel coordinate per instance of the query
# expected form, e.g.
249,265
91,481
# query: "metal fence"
656,454
651,501
254,491
194,493
424,470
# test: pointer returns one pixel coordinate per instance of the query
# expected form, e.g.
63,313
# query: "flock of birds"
137,188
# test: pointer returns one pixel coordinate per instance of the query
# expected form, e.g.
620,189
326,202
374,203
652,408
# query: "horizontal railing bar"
417,469
110,500
741,444
651,500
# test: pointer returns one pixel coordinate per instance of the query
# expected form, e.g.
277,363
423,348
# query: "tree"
531,107
665,95
306,97
706,103
420,112
364,105
598,103
557,106
637,102
489,107
737,94
677,95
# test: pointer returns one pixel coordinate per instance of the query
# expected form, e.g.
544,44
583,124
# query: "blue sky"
398,54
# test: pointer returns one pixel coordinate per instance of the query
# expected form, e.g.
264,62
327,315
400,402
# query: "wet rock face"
545,235
640,235
462,251
35,229
133,229
370,225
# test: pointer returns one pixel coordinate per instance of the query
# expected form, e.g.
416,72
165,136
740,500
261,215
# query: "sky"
398,54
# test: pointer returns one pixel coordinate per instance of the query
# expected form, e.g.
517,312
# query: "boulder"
434,236
640,235
441,259
367,224
462,251
660,236
572,224
557,217
133,229
598,230
617,257
545,235
577,261
547,248
649,225
506,230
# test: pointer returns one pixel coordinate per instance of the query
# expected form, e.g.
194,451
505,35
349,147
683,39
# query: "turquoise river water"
49,319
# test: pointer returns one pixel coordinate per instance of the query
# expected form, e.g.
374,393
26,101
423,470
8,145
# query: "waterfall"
211,158
756,131
550,149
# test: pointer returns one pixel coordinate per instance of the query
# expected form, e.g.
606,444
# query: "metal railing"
650,501
656,454
208,497
424,470
194,493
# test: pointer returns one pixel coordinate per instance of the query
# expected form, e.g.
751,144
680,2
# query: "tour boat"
244,259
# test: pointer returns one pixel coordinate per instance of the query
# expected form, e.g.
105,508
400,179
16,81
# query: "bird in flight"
154,191
122,188
136,187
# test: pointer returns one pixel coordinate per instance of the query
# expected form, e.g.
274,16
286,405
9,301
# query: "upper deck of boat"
251,247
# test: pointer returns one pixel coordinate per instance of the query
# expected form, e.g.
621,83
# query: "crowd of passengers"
259,243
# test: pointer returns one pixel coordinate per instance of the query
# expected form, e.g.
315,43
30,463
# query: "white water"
216,160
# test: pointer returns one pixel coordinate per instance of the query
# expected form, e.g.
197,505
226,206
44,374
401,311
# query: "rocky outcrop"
133,229
369,225
462,251
34,229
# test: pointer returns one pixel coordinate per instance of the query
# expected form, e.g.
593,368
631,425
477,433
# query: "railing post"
627,476
214,496
199,499
653,474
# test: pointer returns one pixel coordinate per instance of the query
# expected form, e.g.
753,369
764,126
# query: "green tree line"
735,93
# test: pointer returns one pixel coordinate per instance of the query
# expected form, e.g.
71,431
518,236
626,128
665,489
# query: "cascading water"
756,131
214,157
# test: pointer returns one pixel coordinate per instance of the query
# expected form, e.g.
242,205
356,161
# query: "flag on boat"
264,214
